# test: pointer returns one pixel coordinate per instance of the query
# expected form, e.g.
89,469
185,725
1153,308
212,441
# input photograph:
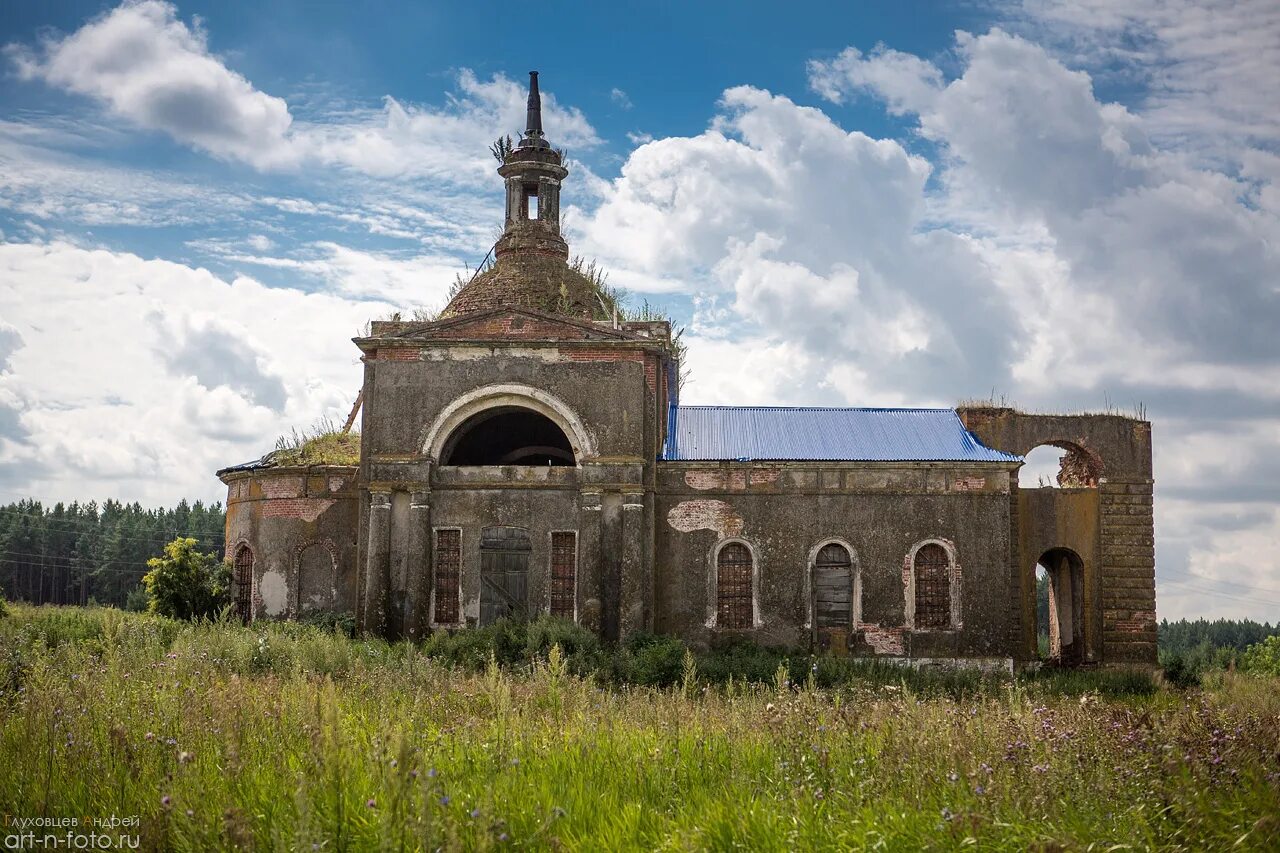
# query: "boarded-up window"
733,586
244,583
832,586
448,572
933,587
564,561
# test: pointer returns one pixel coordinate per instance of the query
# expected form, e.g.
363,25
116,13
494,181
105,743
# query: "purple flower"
372,803
165,801
475,813
431,773
444,801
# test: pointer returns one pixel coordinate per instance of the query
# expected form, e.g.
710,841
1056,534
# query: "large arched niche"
507,425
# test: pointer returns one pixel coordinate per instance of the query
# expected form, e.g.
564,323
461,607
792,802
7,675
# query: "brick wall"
1128,567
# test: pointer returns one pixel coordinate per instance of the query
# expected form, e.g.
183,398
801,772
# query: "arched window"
243,577
932,574
734,570
832,587
508,435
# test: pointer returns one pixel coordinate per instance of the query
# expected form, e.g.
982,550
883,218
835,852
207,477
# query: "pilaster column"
377,563
418,610
636,598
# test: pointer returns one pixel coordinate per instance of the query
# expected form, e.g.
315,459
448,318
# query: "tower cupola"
531,259
533,171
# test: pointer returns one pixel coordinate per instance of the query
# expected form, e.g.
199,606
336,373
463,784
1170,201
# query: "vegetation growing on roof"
323,444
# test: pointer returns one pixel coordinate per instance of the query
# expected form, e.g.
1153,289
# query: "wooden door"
504,574
832,597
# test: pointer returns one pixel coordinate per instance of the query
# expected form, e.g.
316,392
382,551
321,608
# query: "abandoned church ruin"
527,453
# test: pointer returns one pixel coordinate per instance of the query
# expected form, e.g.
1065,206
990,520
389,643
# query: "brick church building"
527,453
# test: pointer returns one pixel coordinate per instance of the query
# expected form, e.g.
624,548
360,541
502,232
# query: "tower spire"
533,123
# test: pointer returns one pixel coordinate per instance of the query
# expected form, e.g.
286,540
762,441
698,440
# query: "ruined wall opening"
1060,619
242,574
1060,464
508,435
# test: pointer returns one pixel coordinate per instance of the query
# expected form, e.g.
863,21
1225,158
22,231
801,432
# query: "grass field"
288,737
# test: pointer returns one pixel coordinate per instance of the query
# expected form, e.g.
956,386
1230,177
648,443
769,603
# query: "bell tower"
533,171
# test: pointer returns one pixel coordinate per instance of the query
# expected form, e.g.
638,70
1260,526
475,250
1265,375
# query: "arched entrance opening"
508,435
1060,618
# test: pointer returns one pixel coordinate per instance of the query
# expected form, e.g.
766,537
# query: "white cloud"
1207,67
620,98
143,63
1054,253
117,388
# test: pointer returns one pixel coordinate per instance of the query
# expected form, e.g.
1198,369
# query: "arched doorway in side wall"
1060,606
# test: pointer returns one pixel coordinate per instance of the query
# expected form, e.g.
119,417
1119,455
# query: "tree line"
93,553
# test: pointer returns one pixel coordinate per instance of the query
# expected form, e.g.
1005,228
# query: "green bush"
331,621
1180,673
652,660
185,584
138,600
1262,658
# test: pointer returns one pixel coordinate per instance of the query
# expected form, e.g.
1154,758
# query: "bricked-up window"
564,566
933,587
733,586
243,575
448,572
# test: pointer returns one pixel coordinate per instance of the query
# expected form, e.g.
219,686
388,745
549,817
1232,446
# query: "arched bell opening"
508,435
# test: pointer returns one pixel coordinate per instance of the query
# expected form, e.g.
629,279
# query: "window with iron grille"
733,586
447,576
933,587
243,575
564,560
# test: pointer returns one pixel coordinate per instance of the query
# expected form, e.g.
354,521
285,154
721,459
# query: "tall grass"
288,737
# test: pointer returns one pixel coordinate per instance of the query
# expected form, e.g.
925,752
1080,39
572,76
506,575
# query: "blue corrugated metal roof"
715,433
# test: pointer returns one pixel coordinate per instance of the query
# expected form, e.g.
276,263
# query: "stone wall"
1118,449
300,524
880,511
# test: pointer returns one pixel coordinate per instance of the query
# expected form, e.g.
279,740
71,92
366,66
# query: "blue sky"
1065,204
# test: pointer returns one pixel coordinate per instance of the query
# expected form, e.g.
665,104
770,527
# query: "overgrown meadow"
291,737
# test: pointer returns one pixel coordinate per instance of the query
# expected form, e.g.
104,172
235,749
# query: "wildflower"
431,773
190,813
444,801
502,837
475,813
185,757
372,803
149,736
953,776
394,764
979,790
165,801
413,774
946,814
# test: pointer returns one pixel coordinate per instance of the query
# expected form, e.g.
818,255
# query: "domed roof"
541,282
